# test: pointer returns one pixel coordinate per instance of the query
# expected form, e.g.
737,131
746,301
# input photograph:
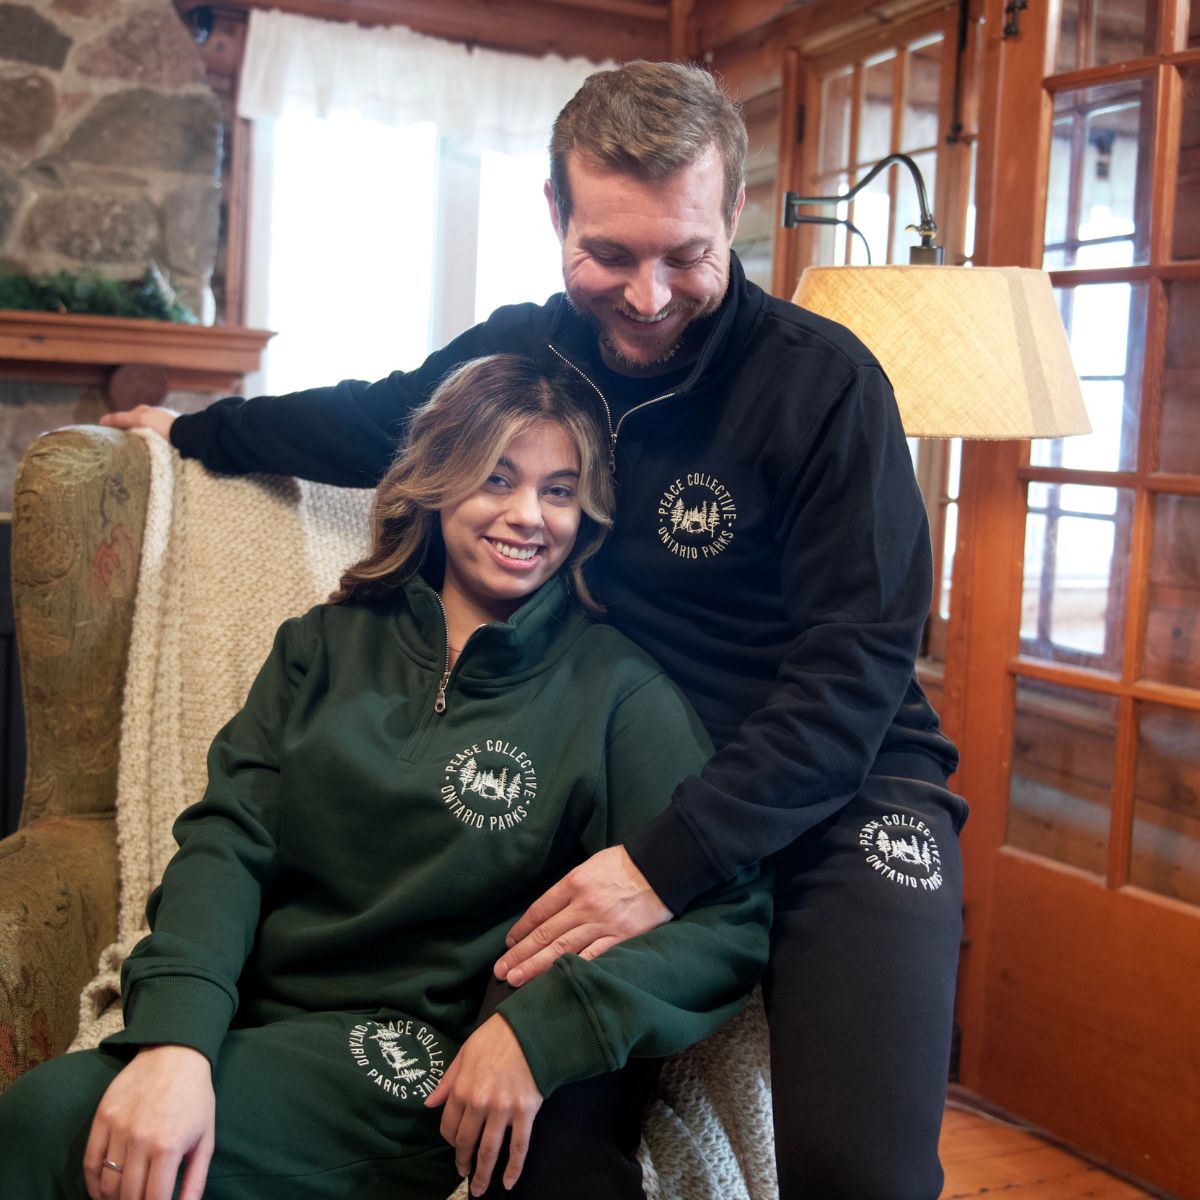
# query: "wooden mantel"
70,349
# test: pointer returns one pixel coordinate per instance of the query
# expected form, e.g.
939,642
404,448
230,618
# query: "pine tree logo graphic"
402,1055
401,1059
696,515
901,848
490,785
703,519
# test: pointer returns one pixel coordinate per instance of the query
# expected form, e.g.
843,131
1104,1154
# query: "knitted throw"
224,561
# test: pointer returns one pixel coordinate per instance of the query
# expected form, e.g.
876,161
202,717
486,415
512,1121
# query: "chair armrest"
58,910
79,511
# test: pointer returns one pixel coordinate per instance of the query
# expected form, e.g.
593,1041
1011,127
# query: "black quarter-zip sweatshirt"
771,551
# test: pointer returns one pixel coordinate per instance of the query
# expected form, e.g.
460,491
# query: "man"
771,551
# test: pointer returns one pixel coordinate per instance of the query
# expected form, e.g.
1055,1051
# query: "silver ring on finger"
112,1166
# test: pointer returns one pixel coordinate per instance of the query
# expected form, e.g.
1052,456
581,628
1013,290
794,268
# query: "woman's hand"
144,416
601,902
158,1113
487,1088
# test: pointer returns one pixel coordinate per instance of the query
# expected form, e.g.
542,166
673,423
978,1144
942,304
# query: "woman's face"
513,532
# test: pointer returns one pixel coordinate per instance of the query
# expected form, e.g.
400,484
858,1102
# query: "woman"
415,761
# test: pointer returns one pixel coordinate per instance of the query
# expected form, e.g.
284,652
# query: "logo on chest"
695,516
490,785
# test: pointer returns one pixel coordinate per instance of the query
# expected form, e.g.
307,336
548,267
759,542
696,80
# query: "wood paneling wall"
746,44
595,29
740,43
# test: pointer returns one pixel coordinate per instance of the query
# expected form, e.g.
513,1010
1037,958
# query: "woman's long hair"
454,441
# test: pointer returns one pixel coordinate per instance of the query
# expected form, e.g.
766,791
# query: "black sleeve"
346,434
662,991
856,572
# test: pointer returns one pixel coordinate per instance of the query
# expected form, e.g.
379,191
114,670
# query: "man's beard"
690,336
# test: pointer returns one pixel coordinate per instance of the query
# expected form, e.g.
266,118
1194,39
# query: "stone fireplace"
110,145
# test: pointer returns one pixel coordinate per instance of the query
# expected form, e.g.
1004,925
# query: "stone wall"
109,152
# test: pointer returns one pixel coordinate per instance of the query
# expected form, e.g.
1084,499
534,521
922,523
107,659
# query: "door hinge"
1012,11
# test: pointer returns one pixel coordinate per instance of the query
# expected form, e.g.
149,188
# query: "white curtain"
480,99
396,192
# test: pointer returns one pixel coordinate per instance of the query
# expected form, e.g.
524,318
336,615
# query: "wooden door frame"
1011,176
821,48
819,44
1009,982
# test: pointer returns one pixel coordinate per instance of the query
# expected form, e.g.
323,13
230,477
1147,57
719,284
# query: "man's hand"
144,416
158,1114
601,902
487,1088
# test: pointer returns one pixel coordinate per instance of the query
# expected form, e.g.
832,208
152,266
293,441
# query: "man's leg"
585,1136
860,995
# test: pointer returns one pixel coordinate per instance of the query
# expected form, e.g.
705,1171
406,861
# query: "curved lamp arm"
925,253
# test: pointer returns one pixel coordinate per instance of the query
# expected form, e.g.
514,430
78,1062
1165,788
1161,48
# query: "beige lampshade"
972,352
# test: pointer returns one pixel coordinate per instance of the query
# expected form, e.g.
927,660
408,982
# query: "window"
519,255
1112,570
396,191
371,245
906,89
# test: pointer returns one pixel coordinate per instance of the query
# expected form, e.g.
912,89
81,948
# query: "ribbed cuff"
181,1010
184,434
672,860
551,1022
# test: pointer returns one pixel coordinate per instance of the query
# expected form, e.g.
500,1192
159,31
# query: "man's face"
643,260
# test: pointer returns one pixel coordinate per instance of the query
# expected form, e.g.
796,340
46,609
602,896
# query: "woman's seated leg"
45,1118
309,1108
314,1107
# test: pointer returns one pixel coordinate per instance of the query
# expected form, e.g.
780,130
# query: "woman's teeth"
519,552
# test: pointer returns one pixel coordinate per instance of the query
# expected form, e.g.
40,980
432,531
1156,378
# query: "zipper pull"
439,705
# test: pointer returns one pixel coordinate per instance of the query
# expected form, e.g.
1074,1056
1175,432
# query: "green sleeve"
658,993
180,983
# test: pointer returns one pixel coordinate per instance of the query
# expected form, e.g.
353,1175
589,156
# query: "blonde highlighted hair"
454,442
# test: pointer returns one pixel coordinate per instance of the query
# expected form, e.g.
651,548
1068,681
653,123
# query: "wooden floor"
982,1157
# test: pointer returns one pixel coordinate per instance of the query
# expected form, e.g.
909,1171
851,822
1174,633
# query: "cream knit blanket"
224,561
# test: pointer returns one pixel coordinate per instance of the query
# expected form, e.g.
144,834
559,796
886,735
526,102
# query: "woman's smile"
513,533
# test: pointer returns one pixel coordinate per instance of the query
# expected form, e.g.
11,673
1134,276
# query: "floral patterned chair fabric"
78,519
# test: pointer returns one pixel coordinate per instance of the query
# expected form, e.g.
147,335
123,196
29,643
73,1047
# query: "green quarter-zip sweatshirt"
358,851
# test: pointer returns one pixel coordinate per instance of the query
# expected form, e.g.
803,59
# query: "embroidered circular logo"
903,850
490,786
402,1058
695,516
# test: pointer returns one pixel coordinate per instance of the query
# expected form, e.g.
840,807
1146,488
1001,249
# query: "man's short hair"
649,119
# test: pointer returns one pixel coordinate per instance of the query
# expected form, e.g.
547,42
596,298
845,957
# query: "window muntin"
1097,204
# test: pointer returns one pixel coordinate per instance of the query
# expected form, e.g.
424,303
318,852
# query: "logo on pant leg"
402,1058
903,850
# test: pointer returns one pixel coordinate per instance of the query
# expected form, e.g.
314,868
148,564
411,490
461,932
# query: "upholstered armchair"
78,518
146,594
